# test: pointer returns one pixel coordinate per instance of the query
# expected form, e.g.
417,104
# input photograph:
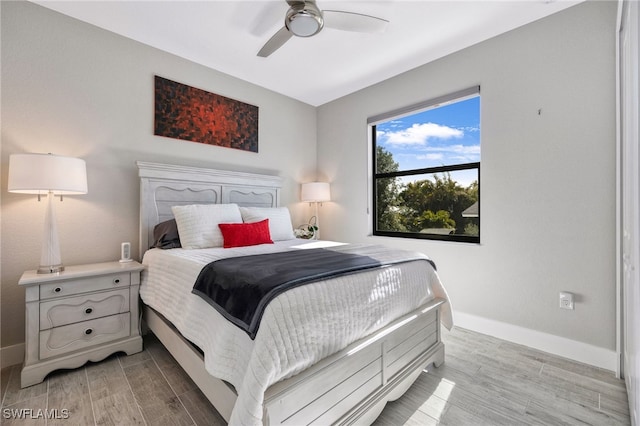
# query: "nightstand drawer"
59,312
62,340
85,285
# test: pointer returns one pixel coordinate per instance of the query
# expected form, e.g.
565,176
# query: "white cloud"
430,157
452,153
419,134
456,149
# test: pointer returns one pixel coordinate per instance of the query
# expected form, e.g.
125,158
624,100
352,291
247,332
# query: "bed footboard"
354,385
351,386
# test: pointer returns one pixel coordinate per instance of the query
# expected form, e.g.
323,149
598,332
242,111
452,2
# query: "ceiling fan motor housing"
304,19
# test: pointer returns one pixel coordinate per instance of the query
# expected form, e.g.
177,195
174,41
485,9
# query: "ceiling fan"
305,19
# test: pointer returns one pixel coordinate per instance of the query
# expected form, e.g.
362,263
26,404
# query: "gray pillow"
165,235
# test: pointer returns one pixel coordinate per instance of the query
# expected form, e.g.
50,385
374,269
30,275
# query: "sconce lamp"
315,192
48,174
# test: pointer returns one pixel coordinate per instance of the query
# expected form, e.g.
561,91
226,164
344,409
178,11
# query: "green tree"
424,199
387,213
439,219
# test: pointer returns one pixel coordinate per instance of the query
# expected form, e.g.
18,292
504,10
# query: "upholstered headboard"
166,185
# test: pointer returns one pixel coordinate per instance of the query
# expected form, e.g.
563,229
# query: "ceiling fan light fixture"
305,19
304,22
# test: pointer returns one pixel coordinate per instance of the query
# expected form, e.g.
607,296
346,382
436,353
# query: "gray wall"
72,89
548,181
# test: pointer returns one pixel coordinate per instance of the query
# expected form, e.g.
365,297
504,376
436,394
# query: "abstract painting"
191,114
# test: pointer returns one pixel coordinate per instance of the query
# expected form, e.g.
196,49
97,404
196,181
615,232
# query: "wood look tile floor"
484,381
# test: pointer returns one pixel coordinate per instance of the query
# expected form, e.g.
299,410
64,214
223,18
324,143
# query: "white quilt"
299,328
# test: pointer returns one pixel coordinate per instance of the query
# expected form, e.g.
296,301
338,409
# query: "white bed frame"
351,386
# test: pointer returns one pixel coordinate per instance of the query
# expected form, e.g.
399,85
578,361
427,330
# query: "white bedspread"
298,328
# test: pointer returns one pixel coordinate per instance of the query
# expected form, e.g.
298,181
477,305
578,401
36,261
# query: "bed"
309,362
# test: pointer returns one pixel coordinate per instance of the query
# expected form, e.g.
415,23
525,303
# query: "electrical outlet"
566,300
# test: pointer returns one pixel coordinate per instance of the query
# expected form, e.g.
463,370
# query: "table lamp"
315,192
48,174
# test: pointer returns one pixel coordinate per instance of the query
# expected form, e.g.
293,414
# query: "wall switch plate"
566,300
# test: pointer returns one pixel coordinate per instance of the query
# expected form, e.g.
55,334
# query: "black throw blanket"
241,287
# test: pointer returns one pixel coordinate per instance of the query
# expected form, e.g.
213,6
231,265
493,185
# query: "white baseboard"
561,346
11,355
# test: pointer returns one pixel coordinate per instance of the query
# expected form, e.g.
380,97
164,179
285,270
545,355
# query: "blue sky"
445,135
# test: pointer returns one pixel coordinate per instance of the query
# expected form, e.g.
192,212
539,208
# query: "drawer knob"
57,289
88,331
88,310
116,281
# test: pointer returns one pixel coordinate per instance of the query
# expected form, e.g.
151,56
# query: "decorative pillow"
165,235
245,234
279,220
198,223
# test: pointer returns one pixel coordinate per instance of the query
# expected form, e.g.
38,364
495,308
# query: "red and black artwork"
187,113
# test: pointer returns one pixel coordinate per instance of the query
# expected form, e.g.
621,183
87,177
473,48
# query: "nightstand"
84,313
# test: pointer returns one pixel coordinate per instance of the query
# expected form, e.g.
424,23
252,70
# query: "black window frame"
414,109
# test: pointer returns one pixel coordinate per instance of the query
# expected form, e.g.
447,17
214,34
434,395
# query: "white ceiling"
226,35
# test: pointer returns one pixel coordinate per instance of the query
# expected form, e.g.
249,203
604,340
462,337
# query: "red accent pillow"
245,234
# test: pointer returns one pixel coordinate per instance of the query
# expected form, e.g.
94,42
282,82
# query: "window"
426,169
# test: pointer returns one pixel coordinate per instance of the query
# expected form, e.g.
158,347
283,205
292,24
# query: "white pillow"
279,220
198,223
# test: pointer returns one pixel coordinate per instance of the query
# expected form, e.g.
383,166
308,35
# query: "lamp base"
52,269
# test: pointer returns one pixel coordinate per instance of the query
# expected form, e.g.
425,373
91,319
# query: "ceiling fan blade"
275,42
351,21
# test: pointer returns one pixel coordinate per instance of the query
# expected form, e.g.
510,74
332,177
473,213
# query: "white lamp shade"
41,173
315,191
